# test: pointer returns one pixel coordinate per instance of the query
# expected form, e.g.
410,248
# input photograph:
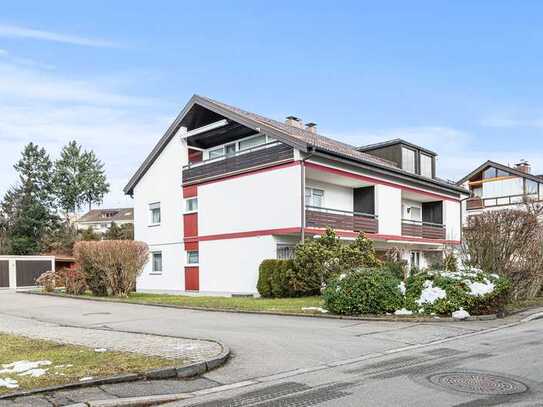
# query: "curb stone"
388,318
183,372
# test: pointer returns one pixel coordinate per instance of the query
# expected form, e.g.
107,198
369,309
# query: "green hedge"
274,278
364,291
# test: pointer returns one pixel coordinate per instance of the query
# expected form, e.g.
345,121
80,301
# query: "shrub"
274,279
74,281
47,281
363,291
444,292
111,266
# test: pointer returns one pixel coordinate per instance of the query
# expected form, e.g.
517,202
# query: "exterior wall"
335,196
231,265
162,183
266,200
451,219
388,207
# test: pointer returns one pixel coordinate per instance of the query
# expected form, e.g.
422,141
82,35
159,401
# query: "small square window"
191,205
156,262
154,214
193,257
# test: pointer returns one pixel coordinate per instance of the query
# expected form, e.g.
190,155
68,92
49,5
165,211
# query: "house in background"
100,220
225,189
495,186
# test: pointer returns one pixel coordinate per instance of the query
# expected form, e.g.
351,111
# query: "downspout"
311,150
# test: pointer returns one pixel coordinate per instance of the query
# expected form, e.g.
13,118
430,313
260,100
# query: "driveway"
261,345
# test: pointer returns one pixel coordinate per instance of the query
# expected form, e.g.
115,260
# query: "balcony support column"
388,207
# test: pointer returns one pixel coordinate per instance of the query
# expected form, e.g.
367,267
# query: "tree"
123,232
79,178
89,234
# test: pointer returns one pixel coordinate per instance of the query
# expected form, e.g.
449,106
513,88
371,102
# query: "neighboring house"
100,220
495,186
225,189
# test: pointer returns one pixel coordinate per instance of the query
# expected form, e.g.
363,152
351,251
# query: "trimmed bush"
363,291
443,292
274,279
47,281
111,267
74,281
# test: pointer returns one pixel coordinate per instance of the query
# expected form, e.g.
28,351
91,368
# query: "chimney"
523,166
312,127
294,121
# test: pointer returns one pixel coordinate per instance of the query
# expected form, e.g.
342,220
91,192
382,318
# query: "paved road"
262,345
504,367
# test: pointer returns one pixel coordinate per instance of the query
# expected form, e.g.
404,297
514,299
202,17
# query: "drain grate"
478,383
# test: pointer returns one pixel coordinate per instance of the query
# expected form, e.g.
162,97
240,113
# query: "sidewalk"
192,350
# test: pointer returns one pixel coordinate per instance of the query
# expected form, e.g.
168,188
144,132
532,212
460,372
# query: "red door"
192,279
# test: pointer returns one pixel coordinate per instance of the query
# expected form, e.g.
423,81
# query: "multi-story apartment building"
495,186
100,220
225,189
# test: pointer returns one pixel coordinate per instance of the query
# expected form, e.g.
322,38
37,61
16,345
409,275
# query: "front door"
192,278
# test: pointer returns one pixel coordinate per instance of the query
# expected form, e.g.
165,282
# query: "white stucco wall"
388,206
261,201
162,183
231,265
335,196
451,219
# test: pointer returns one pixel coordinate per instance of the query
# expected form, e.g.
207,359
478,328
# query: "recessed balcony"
427,230
318,217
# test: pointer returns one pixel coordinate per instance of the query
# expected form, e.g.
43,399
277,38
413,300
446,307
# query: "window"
285,251
154,213
503,187
489,173
531,187
314,197
193,257
191,205
412,211
415,260
216,153
230,149
426,165
408,159
477,192
156,262
252,142
501,173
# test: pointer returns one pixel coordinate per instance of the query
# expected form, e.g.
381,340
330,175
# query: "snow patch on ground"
317,309
403,311
8,383
461,314
34,372
430,294
100,350
84,379
22,366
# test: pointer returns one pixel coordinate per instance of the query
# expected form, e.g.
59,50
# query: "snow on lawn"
315,309
430,294
479,289
22,366
461,314
34,372
403,311
8,383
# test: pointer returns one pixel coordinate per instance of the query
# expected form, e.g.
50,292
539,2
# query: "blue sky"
462,78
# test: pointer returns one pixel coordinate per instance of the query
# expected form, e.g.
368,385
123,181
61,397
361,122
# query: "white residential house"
100,220
494,186
225,189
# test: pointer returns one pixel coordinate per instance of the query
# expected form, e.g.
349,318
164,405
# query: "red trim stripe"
337,171
190,191
315,231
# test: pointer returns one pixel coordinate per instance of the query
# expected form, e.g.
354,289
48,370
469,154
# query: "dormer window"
426,165
408,160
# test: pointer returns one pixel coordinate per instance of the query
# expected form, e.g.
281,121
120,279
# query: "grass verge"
521,305
69,363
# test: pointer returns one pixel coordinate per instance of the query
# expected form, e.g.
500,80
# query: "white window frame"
189,263
153,206
187,200
429,157
153,254
414,160
222,147
309,199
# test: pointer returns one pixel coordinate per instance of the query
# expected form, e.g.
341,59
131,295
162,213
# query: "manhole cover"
478,383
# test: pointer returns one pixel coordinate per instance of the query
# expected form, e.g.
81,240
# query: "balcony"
427,230
318,217
258,156
474,203
481,203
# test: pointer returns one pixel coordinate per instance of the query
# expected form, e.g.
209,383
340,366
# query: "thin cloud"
14,31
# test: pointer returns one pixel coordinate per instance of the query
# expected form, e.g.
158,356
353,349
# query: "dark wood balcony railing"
481,203
338,219
240,160
474,203
426,230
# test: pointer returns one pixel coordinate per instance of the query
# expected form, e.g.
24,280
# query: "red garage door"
192,279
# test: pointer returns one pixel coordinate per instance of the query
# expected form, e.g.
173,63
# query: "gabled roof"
392,142
100,215
502,167
296,137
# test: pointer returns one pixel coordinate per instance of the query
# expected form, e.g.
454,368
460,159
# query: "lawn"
520,305
289,305
61,364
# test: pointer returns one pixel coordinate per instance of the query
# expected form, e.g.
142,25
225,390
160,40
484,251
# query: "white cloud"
43,107
15,31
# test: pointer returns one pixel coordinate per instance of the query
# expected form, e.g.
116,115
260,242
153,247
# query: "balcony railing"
426,230
481,203
318,217
240,160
